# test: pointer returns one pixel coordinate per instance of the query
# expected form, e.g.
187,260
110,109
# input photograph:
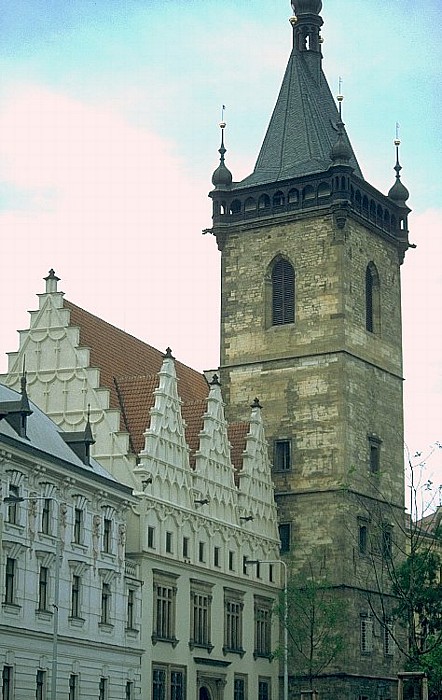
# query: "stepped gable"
129,369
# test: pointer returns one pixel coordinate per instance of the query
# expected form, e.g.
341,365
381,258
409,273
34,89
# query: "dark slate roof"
302,130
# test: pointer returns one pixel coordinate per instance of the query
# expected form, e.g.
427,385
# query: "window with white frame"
7,679
74,686
40,685
105,617
43,585
388,635
76,596
168,682
13,508
103,687
263,626
233,618
10,580
366,623
200,614
46,516
164,599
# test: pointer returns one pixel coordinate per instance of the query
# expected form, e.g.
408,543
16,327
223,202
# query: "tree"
314,636
405,572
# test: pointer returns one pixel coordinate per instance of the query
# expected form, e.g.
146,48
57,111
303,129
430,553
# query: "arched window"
283,293
372,299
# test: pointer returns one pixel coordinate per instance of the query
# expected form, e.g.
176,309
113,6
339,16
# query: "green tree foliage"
314,624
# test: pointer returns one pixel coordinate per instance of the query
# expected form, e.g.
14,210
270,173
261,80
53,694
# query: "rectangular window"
366,634
285,537
73,686
78,526
105,604
168,683
130,618
263,613
10,580
239,688
75,596
233,607
164,597
129,690
43,581
201,552
40,685
107,535
271,573
102,689
388,636
13,508
231,561
46,517
363,538
245,568
282,455
200,614
151,537
216,553
169,542
7,683
387,539
185,547
264,689
374,453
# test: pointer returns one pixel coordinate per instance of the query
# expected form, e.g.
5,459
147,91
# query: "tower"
311,323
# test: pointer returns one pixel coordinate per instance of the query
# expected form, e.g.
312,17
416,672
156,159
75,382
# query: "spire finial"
256,403
168,355
222,177
215,381
398,192
51,281
340,153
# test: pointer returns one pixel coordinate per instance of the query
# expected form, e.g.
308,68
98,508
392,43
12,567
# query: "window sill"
106,627
44,614
228,650
168,640
11,608
76,621
263,655
196,645
132,632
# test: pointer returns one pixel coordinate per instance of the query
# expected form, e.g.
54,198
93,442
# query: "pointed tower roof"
303,127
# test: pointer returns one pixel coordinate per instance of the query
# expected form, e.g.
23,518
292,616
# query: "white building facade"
63,536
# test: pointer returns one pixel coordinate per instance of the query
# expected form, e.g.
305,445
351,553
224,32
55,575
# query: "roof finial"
398,192
168,355
340,153
215,381
51,282
222,177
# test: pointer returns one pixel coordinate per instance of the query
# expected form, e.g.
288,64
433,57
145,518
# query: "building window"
363,539
374,453
10,580
151,537
282,455
387,540
107,535
263,635
239,688
168,682
13,508
164,596
264,689
105,604
169,542
40,685
43,581
78,526
73,687
366,634
216,555
201,552
200,614
372,299
388,636
46,517
129,690
130,617
233,608
283,293
285,537
271,573
102,689
75,596
7,683
185,547
231,561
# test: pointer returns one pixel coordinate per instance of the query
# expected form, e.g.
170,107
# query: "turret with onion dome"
306,7
222,177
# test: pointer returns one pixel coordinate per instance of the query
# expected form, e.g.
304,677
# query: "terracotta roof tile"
129,369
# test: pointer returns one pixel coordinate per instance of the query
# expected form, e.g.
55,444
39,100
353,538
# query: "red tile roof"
129,369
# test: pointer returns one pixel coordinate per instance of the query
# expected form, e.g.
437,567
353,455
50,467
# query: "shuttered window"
283,293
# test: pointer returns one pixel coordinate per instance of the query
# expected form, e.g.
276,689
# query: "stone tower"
311,323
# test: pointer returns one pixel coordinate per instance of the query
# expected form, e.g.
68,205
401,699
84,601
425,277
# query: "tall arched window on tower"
372,299
283,293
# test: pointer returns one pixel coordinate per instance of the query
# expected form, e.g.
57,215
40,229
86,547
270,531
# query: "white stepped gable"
256,499
214,471
63,385
165,457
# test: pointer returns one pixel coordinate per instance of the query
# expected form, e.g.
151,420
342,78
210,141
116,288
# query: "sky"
109,134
